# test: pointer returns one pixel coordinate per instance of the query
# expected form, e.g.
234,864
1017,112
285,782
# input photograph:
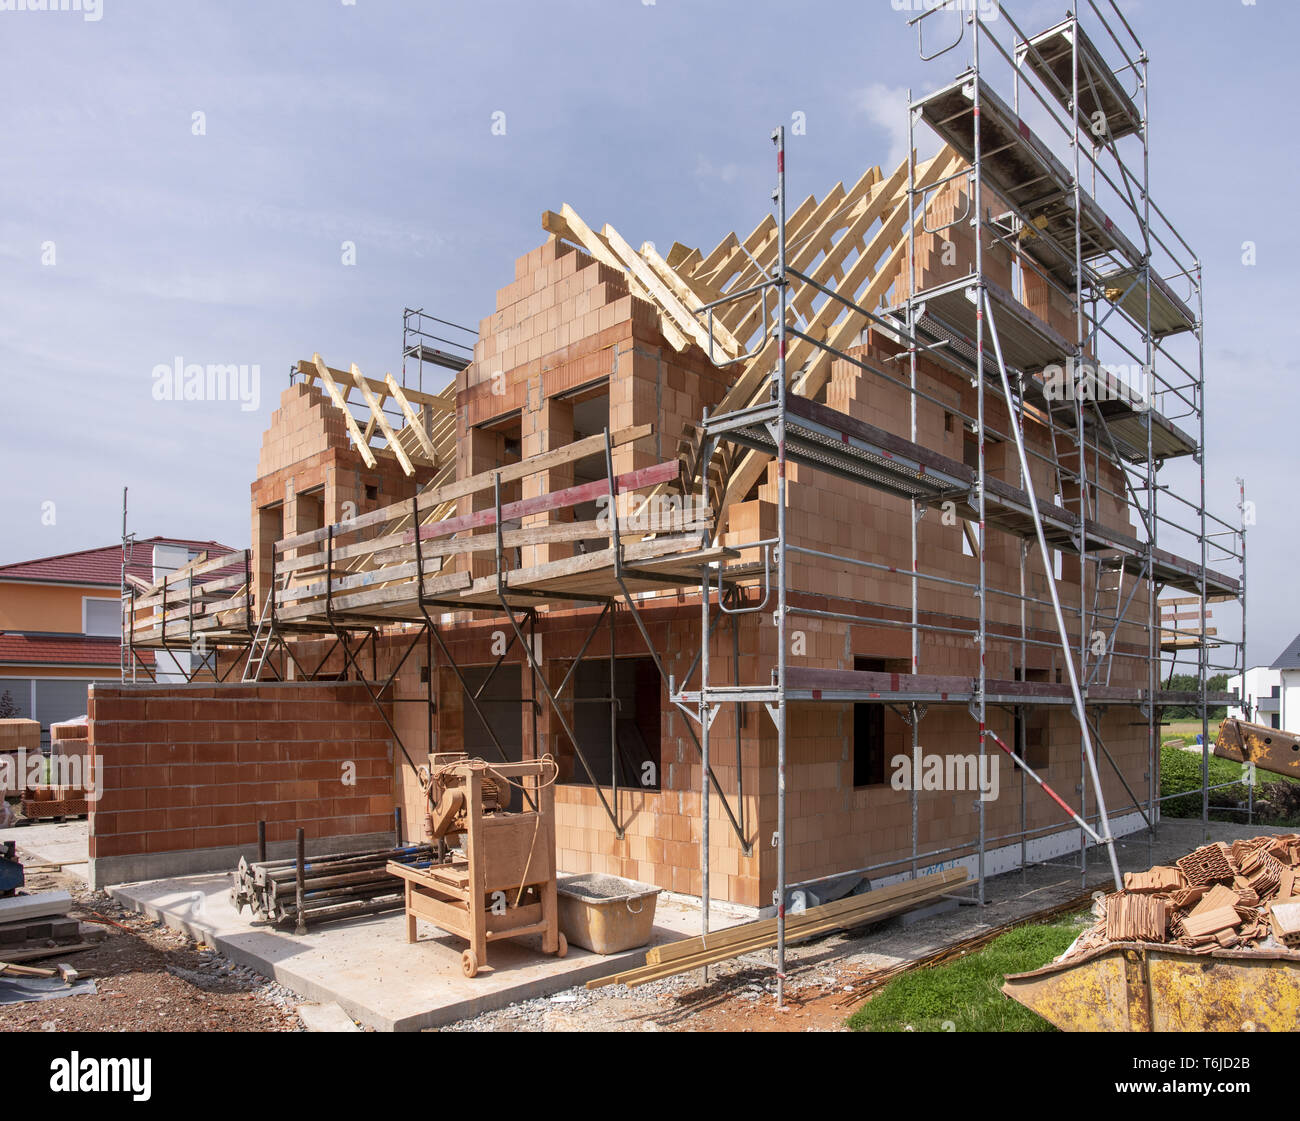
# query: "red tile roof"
61,650
102,566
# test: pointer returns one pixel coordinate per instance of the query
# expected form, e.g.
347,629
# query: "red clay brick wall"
192,767
568,323
306,448
662,827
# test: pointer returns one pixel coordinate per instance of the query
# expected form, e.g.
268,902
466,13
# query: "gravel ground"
151,978
738,997
823,974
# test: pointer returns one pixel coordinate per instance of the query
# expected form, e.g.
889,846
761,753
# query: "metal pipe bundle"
337,885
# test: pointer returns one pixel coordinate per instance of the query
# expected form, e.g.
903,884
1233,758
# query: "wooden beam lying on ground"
854,910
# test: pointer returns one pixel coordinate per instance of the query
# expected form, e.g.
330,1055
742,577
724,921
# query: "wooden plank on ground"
872,906
938,881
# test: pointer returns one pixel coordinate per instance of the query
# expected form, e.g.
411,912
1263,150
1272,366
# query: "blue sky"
371,122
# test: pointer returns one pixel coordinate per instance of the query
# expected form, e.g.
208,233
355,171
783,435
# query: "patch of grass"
1186,731
967,993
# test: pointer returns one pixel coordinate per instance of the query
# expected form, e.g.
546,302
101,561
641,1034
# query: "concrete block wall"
662,828
950,252
836,827
833,826
305,424
605,335
186,772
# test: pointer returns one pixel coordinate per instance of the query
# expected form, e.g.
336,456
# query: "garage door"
20,692
58,699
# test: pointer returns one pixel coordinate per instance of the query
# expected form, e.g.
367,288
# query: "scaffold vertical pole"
916,510
705,713
977,203
781,572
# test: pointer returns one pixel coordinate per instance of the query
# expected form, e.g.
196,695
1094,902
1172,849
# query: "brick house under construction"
444,574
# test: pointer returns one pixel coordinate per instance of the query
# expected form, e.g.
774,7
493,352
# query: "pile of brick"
60,802
1240,896
70,737
19,740
20,735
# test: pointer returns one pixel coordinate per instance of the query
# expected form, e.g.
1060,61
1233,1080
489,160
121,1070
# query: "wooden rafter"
876,267
435,402
569,225
692,294
341,403
413,422
377,417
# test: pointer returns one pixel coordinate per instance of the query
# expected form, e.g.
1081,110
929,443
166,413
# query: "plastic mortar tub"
606,914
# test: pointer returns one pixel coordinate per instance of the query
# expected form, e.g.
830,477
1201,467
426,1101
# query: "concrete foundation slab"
366,966
54,842
325,1017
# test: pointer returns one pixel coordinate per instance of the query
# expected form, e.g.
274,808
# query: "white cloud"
886,108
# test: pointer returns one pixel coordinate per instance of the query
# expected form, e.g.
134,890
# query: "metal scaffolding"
1137,347
437,343
1132,339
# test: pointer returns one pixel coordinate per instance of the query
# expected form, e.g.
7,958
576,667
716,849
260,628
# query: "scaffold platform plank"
832,441
1049,55
1021,168
1170,315
946,325
867,685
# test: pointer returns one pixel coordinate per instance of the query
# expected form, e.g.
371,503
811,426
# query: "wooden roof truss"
416,429
853,241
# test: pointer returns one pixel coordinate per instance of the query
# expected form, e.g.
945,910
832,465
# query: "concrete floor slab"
53,842
366,965
325,1017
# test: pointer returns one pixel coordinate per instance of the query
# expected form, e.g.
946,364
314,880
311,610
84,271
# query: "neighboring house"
1287,664
1272,692
1262,696
61,623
